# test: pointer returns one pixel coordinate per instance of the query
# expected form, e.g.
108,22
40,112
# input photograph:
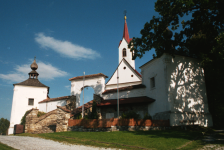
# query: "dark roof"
88,76
131,100
54,99
138,86
32,82
79,109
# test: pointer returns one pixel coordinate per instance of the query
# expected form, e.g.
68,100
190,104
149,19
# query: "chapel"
26,96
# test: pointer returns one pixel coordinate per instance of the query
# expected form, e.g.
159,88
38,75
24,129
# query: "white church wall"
52,105
125,94
123,45
187,90
155,69
97,83
126,75
20,102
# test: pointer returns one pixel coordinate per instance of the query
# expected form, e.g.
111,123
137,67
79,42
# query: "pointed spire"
125,33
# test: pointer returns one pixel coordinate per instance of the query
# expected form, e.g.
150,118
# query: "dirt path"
33,143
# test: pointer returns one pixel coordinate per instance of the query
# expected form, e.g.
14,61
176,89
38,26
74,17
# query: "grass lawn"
168,139
5,147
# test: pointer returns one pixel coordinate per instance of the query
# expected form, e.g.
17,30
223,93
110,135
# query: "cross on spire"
125,12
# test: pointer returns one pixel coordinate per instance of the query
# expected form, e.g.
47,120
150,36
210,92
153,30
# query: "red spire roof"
125,32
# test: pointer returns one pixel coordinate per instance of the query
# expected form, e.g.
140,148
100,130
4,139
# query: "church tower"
26,96
125,71
124,51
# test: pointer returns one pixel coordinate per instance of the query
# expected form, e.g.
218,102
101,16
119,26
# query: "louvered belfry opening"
33,74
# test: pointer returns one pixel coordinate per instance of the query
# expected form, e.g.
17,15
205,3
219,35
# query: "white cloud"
65,48
46,72
68,87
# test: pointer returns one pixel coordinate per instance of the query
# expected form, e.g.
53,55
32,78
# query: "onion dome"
34,65
33,74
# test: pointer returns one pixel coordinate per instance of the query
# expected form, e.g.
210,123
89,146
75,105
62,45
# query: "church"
166,88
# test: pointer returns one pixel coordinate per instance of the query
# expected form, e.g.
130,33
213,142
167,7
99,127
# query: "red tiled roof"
125,88
131,100
54,99
138,73
89,76
86,106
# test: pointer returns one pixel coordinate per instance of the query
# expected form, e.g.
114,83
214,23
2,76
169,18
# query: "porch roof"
131,100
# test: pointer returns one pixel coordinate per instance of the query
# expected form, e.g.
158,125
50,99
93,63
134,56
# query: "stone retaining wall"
53,121
116,128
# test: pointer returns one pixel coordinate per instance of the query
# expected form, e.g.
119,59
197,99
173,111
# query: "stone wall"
54,121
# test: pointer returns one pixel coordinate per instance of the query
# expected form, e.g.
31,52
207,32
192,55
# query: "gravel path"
33,143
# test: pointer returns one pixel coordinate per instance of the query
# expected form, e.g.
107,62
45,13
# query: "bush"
40,113
130,114
4,125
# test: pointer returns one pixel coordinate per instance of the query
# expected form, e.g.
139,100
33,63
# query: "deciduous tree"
201,37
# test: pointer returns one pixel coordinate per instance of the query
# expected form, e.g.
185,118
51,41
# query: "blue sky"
67,38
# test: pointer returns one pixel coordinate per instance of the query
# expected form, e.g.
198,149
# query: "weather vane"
35,58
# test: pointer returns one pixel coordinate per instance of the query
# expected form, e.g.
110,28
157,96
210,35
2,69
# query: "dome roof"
34,65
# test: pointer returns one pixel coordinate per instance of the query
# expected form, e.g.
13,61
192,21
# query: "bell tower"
124,51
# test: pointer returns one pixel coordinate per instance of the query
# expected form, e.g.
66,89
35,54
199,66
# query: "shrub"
40,113
130,114
23,120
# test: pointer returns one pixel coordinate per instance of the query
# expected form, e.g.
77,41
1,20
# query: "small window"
132,75
124,67
30,101
124,52
152,80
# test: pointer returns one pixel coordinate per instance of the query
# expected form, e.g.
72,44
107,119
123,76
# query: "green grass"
5,147
168,139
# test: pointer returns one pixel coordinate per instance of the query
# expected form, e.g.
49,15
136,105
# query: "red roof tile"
88,76
131,100
54,99
79,109
138,73
125,88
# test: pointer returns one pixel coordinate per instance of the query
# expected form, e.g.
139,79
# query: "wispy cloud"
66,48
46,71
68,87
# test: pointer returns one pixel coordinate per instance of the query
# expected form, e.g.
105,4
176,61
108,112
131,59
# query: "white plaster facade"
97,83
127,76
128,57
179,89
20,105
51,105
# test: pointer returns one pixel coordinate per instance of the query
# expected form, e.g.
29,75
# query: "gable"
126,74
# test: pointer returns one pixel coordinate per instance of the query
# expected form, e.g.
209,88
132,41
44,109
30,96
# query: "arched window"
124,52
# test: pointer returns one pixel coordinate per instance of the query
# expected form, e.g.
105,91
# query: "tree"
4,125
201,37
